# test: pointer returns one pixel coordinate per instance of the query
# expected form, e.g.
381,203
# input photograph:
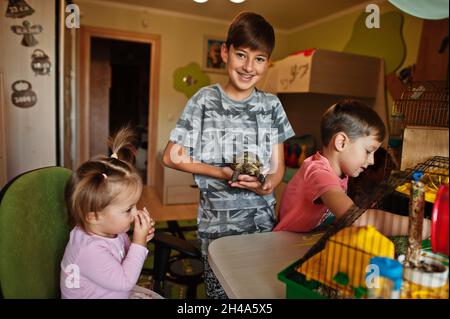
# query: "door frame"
86,33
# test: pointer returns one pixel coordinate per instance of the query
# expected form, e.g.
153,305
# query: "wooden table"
160,212
247,265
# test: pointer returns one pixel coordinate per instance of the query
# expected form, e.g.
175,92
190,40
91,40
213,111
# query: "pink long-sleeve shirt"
99,267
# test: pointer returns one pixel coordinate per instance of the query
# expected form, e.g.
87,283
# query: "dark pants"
213,288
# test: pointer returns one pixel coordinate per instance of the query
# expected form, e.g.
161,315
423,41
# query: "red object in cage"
439,222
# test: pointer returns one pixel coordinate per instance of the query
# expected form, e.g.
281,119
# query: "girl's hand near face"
151,232
143,228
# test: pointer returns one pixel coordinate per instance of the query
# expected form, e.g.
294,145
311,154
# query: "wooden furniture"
421,143
432,58
247,265
175,187
326,72
423,108
161,212
310,81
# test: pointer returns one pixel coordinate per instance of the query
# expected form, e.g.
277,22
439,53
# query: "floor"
185,215
173,290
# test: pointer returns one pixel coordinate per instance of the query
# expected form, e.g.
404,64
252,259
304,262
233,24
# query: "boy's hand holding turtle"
246,173
252,183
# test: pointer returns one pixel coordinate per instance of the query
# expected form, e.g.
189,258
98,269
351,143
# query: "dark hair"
352,117
97,182
249,29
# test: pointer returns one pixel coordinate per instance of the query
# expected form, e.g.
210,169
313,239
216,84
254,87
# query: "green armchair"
33,233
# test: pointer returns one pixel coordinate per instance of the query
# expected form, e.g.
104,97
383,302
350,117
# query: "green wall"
335,33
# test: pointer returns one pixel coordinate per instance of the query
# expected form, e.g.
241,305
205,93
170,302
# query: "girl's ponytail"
122,145
97,182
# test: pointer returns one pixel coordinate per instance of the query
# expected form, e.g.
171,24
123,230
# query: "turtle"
247,163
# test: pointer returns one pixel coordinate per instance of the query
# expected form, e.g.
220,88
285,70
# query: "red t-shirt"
298,212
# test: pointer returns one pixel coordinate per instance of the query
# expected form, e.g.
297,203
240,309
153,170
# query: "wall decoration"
296,70
212,61
189,79
23,96
290,74
386,42
35,146
40,62
28,31
18,9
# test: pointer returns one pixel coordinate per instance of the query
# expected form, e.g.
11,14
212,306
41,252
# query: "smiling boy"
220,123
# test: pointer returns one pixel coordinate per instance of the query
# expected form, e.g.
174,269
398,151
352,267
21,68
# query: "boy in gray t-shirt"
217,126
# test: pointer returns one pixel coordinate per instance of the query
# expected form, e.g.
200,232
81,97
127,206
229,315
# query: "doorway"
119,70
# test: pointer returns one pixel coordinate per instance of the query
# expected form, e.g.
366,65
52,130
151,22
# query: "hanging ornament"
189,79
18,9
23,96
28,31
40,62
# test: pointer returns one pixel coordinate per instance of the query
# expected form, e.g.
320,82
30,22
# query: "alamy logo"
225,146
372,276
373,19
73,18
73,276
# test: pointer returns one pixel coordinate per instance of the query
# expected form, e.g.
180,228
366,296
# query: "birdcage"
374,257
424,104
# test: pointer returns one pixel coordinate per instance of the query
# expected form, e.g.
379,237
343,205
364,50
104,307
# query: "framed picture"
212,61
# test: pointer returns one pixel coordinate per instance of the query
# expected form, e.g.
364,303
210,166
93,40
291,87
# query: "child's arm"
387,223
97,263
277,167
175,157
272,179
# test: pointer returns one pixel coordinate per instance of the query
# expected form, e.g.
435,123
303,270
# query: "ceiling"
282,14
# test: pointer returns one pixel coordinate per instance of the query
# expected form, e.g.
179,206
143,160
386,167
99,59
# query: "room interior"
324,52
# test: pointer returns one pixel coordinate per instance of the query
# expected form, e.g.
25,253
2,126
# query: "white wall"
30,132
181,43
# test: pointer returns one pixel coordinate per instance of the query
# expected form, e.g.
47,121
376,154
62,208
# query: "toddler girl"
101,197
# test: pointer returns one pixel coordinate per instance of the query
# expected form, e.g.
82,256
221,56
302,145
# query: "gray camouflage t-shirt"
215,129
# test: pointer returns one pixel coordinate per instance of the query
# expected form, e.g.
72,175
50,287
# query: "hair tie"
114,155
104,175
